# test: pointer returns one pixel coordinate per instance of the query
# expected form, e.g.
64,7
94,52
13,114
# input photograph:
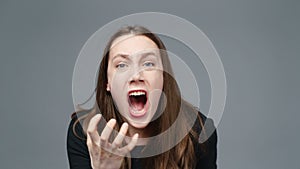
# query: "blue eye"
121,65
149,64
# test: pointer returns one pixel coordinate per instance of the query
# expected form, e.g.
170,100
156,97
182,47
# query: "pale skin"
135,127
101,159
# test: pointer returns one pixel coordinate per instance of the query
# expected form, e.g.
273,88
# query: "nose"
137,77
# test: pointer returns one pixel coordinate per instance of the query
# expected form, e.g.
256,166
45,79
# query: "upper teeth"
137,93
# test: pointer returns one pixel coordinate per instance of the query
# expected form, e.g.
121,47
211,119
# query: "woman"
138,96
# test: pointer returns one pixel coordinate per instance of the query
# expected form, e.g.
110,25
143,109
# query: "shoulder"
77,150
206,143
205,129
203,124
75,127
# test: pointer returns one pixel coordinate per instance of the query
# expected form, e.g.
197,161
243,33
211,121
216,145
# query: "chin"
138,125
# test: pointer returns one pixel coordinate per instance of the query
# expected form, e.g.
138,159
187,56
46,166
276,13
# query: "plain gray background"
257,40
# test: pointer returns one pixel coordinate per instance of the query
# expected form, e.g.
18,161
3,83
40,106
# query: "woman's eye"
121,65
149,64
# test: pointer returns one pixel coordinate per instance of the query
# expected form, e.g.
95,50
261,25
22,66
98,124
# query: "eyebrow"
125,56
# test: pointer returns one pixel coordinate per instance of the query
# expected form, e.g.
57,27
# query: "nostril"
136,81
137,77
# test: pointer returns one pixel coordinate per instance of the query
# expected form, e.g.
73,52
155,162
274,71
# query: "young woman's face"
135,78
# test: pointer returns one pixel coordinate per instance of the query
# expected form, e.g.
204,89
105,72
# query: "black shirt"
79,158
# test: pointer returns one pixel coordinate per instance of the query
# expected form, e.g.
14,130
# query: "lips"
137,100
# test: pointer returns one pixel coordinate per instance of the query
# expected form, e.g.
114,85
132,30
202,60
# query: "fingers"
107,131
93,139
95,142
133,142
130,145
92,133
120,137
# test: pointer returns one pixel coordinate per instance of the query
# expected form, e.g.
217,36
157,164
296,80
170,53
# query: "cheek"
119,83
156,80
118,90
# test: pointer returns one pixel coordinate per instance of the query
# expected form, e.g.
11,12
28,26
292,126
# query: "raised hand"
98,144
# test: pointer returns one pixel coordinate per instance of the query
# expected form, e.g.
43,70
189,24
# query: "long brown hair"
180,156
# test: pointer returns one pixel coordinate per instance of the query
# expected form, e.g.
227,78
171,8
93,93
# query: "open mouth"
137,101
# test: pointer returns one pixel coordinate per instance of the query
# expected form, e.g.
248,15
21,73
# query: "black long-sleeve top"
79,158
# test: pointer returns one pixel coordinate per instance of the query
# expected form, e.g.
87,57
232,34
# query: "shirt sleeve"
77,150
206,152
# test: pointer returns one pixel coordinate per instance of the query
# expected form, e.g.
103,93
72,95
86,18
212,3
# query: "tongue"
137,102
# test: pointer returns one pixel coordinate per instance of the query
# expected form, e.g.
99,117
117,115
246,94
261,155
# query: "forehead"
131,44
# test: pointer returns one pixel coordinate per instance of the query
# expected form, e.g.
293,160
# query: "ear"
107,87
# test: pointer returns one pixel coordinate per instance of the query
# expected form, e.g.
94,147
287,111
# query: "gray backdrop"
257,40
